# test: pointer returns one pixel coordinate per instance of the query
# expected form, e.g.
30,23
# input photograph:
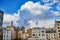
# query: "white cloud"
45,0
35,8
32,23
10,17
58,7
52,2
38,9
46,23
56,13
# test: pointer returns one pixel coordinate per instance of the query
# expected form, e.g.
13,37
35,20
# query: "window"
58,27
59,36
39,34
33,34
54,34
57,24
42,31
4,35
59,33
58,30
43,35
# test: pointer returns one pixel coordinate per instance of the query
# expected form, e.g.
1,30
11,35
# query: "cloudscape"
30,13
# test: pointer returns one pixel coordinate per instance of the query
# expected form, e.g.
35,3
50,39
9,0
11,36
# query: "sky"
30,13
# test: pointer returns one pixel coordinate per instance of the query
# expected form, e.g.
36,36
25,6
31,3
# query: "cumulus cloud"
56,13
10,17
58,6
34,8
33,14
46,23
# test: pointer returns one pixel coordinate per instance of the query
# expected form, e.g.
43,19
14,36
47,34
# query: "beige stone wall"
20,34
57,28
30,32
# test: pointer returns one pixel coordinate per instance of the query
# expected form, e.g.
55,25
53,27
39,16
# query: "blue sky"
11,6
30,13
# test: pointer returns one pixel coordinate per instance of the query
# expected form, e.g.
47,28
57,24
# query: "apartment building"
6,34
38,34
57,25
11,28
51,34
20,34
29,32
1,18
1,21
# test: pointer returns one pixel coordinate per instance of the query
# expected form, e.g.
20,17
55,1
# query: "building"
51,34
38,34
57,25
1,34
20,34
1,18
1,21
6,34
25,36
23,29
29,31
11,28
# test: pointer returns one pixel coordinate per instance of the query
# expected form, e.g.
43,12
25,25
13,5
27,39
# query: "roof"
38,28
6,29
58,21
51,31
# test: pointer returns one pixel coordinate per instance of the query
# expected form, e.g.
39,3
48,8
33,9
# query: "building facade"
29,32
6,34
51,34
13,33
38,34
1,18
1,21
23,29
20,34
57,25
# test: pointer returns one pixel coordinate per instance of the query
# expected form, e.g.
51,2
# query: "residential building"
29,31
1,18
1,34
57,25
25,36
23,29
51,34
38,34
20,34
11,28
6,34
1,21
